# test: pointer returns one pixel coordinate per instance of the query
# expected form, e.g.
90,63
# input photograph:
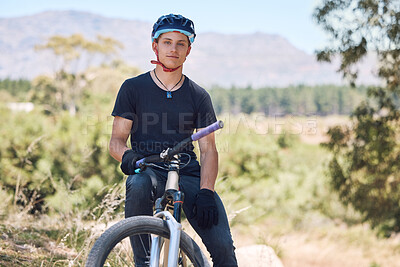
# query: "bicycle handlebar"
170,152
206,131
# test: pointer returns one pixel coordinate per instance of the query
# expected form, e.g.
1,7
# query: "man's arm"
208,161
120,133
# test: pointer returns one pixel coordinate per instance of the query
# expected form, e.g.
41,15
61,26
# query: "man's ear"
188,51
154,46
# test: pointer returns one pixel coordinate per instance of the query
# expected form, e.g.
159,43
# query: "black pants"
140,200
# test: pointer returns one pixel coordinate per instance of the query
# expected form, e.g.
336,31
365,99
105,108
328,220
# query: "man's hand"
128,164
205,209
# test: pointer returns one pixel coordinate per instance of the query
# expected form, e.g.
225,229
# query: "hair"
157,39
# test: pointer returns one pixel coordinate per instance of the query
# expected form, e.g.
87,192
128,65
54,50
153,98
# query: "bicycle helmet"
171,23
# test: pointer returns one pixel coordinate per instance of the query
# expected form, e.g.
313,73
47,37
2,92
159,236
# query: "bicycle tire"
135,226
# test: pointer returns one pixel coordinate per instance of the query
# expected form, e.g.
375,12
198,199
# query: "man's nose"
174,47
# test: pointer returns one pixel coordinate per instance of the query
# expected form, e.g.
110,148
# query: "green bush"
248,163
365,167
55,162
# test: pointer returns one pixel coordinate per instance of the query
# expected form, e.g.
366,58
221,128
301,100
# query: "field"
273,180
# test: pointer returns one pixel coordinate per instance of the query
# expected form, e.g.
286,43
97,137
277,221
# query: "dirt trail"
305,250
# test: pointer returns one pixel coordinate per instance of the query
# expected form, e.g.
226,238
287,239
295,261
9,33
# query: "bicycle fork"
173,222
175,229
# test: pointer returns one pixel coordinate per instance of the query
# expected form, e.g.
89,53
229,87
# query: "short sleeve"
125,103
206,114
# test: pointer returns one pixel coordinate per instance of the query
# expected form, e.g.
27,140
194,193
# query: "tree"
76,54
358,27
365,167
248,101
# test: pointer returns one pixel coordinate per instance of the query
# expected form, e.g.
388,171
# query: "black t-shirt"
160,122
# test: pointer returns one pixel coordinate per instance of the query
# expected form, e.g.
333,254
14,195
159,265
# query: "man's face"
173,48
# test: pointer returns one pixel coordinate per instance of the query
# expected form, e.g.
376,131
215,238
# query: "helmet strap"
162,65
164,68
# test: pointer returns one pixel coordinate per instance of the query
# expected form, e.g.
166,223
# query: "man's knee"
138,187
138,195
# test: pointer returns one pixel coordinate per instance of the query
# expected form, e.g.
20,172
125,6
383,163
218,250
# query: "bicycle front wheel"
113,247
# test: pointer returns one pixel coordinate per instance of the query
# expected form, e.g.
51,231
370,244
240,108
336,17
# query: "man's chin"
173,63
172,66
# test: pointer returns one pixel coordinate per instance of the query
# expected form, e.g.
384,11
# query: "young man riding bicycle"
158,109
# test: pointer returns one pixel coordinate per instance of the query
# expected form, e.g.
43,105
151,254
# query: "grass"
293,211
62,239
30,245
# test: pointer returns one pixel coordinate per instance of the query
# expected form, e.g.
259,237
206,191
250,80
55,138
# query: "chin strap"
164,68
162,65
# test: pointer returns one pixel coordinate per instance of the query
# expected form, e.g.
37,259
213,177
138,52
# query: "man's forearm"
209,169
117,149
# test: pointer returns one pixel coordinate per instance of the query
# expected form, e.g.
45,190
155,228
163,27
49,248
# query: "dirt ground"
310,250
300,252
337,246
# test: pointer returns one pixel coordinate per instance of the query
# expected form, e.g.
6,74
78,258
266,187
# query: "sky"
291,19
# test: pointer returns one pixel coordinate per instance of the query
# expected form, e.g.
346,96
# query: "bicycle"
162,238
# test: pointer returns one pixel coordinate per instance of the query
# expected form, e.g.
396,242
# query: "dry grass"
64,240
57,240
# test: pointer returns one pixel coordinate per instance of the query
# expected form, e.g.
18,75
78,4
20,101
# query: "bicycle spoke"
121,255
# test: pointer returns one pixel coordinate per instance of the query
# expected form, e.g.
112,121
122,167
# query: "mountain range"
257,59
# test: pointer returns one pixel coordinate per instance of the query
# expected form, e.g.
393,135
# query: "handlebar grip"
149,159
209,129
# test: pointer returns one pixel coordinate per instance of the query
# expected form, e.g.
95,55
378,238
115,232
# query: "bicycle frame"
173,194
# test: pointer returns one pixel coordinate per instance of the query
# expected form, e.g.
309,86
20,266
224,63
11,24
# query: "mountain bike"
162,241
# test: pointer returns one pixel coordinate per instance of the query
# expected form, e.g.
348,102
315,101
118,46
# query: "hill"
257,59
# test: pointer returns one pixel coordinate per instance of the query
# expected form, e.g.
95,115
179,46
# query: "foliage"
358,27
106,79
290,202
100,86
16,88
297,100
259,180
245,158
55,163
285,140
364,168
52,162
76,54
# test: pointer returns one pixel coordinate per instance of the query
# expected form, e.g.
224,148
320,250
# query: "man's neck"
169,79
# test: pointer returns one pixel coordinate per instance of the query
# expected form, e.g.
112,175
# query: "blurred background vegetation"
274,173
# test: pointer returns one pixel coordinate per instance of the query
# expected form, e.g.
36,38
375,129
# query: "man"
158,109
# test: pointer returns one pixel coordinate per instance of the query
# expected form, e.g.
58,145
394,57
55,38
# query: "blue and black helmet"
171,23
